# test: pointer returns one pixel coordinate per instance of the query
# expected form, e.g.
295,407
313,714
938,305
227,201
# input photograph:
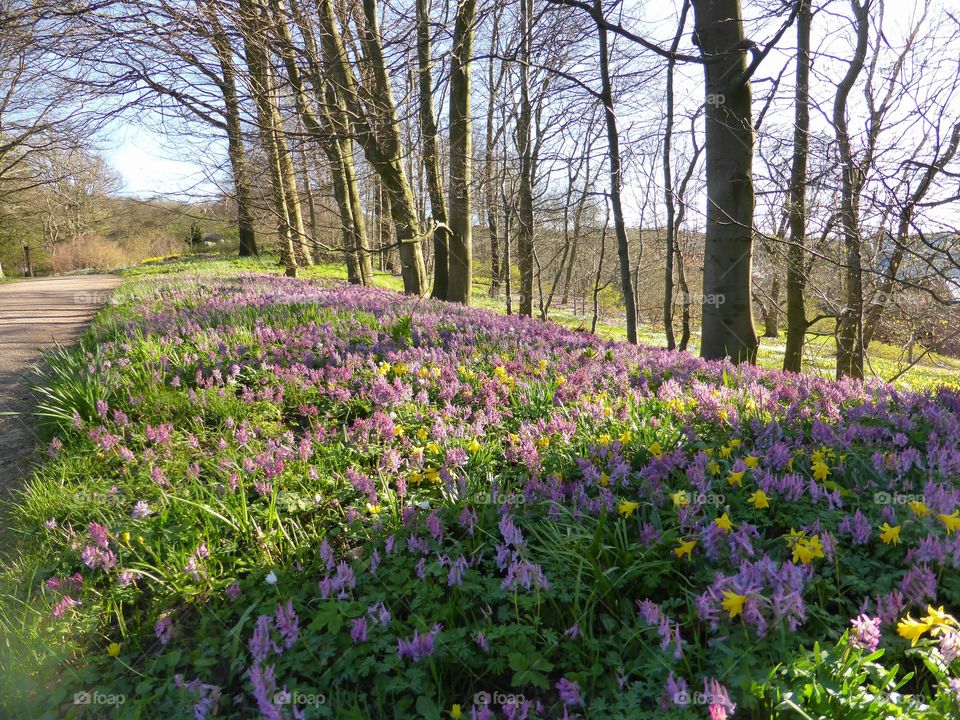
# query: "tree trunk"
525,150
771,314
382,149
668,188
796,277
616,179
257,64
460,275
850,323
431,155
727,325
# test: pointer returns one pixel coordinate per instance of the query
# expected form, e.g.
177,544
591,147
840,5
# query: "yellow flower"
455,711
473,447
603,440
793,536
806,549
723,522
626,508
656,450
890,534
685,548
680,498
560,380
714,467
912,629
139,538
725,451
113,649
751,461
735,443
759,500
919,509
432,447
604,479
937,617
625,437
544,442
952,522
431,475
820,470
422,434
126,537
733,603
736,478
373,509
398,431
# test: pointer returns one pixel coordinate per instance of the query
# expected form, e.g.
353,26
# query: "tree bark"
727,325
525,149
796,277
460,273
850,323
431,155
616,178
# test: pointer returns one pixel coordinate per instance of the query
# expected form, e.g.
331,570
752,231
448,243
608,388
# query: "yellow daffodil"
751,461
890,534
919,509
473,447
626,508
113,649
713,467
604,479
937,617
793,536
543,443
560,380
912,629
126,537
456,712
431,475
685,548
656,450
625,437
759,500
422,434
736,478
373,509
432,447
820,471
725,451
680,498
603,440
398,431
952,522
735,443
733,603
723,522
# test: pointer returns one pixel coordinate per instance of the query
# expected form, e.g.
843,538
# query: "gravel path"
36,314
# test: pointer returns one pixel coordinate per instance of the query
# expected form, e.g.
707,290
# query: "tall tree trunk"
431,155
616,178
668,186
796,277
525,148
850,323
488,161
235,148
727,325
771,313
258,67
382,148
460,276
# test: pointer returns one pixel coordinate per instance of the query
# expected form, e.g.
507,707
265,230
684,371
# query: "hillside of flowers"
267,497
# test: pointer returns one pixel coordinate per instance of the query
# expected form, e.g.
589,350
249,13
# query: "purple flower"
569,691
866,632
287,624
141,510
164,630
358,632
419,646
